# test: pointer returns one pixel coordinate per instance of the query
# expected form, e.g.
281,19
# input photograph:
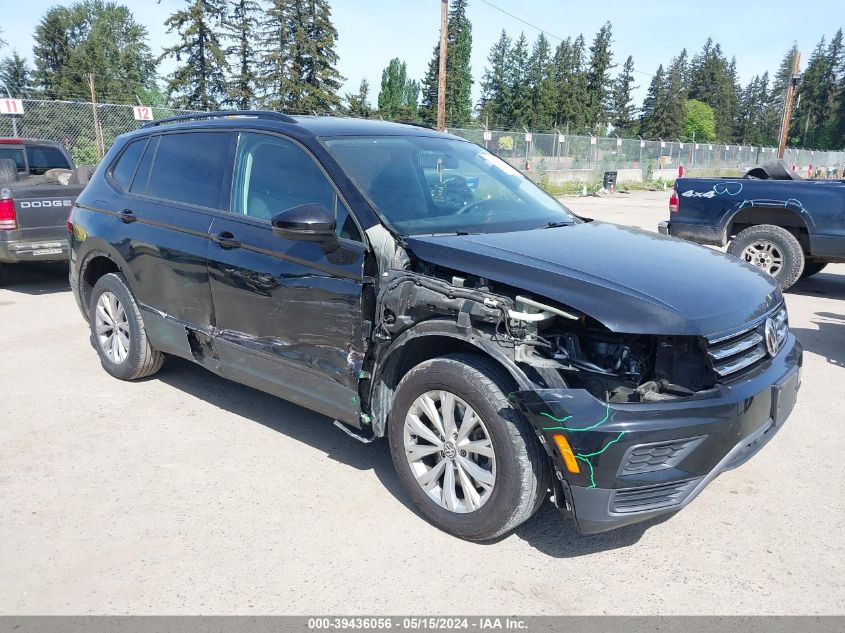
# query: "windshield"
423,186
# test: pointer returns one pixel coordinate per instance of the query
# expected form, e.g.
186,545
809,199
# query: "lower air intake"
652,497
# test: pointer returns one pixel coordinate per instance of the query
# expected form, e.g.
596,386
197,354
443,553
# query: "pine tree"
458,103
92,37
541,86
570,79
299,61
495,85
16,74
200,82
391,97
676,97
598,78
809,113
358,104
518,87
242,27
623,111
652,119
51,52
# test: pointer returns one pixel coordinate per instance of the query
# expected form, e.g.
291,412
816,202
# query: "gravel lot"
187,494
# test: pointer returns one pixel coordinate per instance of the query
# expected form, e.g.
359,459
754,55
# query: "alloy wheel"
765,255
449,451
112,327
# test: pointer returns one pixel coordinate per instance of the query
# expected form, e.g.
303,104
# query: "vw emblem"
449,450
771,333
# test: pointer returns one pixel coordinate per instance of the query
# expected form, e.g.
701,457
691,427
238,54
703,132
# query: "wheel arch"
789,217
427,340
95,263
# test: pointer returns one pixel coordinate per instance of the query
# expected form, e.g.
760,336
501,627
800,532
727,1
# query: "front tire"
771,249
470,463
117,331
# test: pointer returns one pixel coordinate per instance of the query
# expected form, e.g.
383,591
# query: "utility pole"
98,132
441,77
787,105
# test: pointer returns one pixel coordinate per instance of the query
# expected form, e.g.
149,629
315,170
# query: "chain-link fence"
555,158
571,157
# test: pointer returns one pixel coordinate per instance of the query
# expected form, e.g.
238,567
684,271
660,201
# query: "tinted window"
15,154
124,170
189,168
45,157
142,174
273,175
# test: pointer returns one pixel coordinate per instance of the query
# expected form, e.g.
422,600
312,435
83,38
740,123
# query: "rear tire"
772,249
812,268
117,331
514,464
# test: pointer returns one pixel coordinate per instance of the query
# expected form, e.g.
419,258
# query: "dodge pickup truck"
38,186
771,218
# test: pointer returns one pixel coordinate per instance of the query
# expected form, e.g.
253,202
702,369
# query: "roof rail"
219,114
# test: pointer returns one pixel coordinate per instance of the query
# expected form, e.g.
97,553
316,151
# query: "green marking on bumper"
566,428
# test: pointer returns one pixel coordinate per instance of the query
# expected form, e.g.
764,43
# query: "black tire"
522,469
8,171
812,268
786,243
141,360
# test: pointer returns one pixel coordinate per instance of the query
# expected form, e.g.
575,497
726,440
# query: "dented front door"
288,315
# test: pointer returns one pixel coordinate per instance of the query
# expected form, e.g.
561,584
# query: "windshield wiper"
555,225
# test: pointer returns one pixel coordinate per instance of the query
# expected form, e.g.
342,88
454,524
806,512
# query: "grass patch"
576,187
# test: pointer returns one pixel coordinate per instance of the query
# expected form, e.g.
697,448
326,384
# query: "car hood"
630,280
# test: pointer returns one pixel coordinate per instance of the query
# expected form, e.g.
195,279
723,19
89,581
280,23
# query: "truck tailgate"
45,205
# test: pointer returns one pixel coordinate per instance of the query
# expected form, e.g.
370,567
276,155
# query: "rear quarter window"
124,169
189,168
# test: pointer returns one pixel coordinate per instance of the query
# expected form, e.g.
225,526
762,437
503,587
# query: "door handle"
127,216
226,240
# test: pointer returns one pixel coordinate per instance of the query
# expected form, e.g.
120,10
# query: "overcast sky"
371,32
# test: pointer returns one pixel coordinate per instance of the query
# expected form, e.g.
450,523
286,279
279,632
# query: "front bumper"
638,461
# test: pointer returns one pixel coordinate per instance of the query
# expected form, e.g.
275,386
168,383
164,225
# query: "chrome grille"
735,353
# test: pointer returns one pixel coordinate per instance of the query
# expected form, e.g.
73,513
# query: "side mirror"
307,223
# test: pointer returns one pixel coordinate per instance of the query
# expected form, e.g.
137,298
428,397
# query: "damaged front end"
635,425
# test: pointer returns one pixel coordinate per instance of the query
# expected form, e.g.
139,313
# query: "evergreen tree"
541,86
242,27
676,97
598,78
712,80
51,52
653,117
299,61
200,82
458,104
358,104
15,73
92,37
623,111
518,87
809,113
495,84
570,79
392,96
411,101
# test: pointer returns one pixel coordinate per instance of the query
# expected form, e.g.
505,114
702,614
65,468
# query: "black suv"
412,285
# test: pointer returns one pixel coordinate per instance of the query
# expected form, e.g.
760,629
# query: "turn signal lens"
566,451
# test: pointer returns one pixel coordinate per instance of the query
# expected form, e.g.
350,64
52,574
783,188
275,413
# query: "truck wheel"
117,331
8,171
812,268
772,249
470,462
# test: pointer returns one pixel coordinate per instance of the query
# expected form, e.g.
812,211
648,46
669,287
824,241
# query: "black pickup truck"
771,218
38,186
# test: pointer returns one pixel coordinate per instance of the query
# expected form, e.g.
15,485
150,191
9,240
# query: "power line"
545,32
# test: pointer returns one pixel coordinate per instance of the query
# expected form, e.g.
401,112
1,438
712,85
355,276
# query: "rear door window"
43,158
189,168
124,170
